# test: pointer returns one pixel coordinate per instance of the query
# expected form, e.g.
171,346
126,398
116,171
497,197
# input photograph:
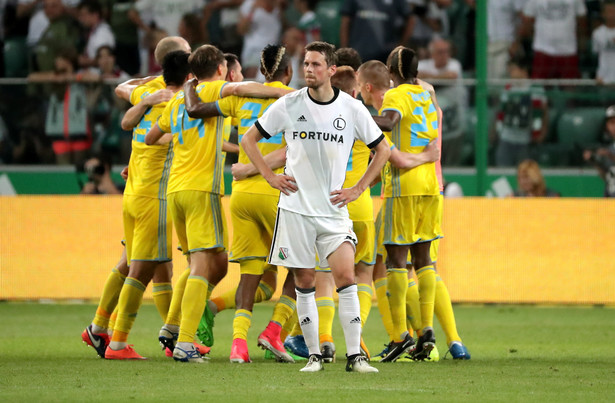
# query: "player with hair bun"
412,209
253,208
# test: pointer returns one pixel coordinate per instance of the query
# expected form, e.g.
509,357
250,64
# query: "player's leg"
365,292
365,257
96,334
282,321
131,297
380,283
162,288
427,292
144,251
341,262
326,312
251,273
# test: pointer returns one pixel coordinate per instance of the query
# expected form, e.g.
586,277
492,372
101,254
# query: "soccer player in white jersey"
320,124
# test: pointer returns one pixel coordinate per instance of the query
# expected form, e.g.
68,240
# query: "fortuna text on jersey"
333,137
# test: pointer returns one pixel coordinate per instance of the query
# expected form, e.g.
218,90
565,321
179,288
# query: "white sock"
350,317
117,345
185,345
308,319
98,330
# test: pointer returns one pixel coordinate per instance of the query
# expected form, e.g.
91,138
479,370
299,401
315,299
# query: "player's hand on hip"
284,183
343,197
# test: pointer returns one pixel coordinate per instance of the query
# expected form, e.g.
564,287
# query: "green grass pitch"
519,354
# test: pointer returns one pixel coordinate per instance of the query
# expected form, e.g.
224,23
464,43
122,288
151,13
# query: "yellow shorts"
366,242
199,220
362,209
381,250
253,217
412,219
147,229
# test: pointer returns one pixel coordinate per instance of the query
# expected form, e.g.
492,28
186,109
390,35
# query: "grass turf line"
519,353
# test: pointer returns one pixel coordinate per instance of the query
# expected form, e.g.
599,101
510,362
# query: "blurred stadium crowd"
551,66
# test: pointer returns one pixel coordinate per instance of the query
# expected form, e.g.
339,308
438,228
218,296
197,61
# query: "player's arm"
195,108
154,135
387,121
253,89
382,152
274,160
284,183
402,160
133,116
124,89
229,147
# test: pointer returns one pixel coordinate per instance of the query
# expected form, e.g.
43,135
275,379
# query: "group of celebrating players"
300,199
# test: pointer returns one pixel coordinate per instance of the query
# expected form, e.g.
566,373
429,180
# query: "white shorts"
298,238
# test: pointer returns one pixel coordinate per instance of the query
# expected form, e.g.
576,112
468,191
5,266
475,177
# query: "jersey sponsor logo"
339,124
302,119
324,136
283,254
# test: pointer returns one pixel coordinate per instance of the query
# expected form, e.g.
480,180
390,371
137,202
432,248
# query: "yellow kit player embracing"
412,206
253,209
194,195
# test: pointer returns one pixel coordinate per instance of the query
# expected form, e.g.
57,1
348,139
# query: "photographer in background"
604,158
98,170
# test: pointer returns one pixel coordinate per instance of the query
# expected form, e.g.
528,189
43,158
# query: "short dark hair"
205,61
375,73
348,57
403,63
93,6
231,59
175,67
326,49
345,79
274,61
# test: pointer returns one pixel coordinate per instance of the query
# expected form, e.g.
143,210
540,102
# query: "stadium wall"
495,250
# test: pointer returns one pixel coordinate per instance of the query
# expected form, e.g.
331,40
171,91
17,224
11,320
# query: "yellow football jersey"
417,127
247,110
197,143
138,93
149,166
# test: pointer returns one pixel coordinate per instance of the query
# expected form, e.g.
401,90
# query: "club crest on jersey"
333,137
339,123
283,253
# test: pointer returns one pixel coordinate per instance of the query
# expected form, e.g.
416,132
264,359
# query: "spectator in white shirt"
556,24
603,43
99,32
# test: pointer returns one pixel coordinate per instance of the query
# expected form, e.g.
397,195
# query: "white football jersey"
319,138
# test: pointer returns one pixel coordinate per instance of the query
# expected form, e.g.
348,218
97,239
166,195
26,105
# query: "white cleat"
314,364
190,354
358,363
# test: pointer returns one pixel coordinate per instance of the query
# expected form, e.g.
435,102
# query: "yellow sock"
413,306
127,307
226,300
427,293
174,316
241,324
326,313
283,310
112,320
397,284
193,305
383,306
444,311
162,293
108,299
366,295
264,292
289,325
